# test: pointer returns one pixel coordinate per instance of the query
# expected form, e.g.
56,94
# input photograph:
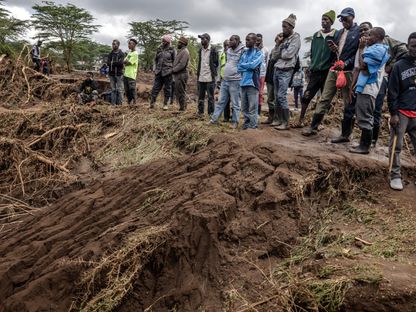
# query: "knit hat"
183,40
167,38
291,20
331,15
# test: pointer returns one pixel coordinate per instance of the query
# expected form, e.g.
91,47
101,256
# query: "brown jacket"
180,64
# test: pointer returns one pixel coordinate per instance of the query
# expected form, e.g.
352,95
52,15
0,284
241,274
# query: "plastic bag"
341,80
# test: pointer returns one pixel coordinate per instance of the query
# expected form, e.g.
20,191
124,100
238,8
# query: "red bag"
341,80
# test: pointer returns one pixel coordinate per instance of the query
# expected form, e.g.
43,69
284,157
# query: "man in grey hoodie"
230,85
288,46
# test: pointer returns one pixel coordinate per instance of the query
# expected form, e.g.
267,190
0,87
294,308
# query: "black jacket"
115,62
213,63
164,60
402,86
351,46
87,86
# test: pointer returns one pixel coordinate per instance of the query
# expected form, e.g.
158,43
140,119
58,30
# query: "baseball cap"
205,35
347,12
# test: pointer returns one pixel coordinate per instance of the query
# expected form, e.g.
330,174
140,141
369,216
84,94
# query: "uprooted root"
111,279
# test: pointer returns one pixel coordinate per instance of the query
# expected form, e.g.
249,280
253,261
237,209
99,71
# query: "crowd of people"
359,61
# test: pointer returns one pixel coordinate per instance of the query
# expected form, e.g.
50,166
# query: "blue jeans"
281,81
230,90
249,106
116,83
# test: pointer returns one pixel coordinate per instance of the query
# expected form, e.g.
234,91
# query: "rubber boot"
316,121
365,142
277,118
346,130
376,131
269,118
285,120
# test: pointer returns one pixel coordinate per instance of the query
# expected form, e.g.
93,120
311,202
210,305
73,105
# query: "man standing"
372,61
402,106
269,81
322,59
297,86
165,55
131,63
287,53
116,63
346,46
180,72
249,67
263,68
35,53
206,73
223,61
230,84
397,50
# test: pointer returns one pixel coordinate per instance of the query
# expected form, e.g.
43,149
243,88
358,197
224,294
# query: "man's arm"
251,65
292,50
394,91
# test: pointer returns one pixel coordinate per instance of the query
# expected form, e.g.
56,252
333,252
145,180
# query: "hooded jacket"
233,57
115,63
287,51
402,86
249,67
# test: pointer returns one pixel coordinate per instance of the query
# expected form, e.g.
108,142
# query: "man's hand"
394,121
332,46
363,43
388,69
279,38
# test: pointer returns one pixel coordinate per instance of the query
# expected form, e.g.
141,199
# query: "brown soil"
206,230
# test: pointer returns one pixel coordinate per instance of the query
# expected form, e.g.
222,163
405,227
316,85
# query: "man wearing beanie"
322,59
345,46
288,45
180,72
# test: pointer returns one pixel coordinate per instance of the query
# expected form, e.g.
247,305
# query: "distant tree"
63,25
10,30
149,34
90,53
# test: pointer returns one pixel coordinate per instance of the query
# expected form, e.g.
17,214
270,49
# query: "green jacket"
322,58
223,61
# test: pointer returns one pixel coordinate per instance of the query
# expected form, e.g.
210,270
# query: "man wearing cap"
230,84
131,62
180,72
288,46
322,59
345,46
165,55
207,71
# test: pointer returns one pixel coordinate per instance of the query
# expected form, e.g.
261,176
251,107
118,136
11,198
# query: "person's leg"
180,90
261,92
364,112
411,130
379,109
113,89
157,86
126,89
284,78
316,83
245,107
202,88
133,91
235,100
167,90
324,103
227,111
120,87
253,103
277,118
211,93
224,99
270,103
395,174
172,91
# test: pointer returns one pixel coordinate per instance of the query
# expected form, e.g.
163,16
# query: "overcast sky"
222,18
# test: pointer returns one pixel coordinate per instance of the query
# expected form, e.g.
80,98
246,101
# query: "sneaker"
212,122
165,107
396,184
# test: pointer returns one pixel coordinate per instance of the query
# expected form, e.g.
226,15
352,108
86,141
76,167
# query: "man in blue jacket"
249,67
402,106
345,46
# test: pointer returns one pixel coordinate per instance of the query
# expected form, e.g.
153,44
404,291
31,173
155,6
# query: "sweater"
233,57
180,64
402,86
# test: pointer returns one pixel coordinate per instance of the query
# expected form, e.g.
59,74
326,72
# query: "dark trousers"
297,93
227,111
208,88
172,91
181,81
130,89
36,64
379,102
160,82
316,82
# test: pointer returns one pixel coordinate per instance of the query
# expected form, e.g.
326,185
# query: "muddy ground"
159,211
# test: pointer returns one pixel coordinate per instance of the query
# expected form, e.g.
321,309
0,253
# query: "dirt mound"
190,234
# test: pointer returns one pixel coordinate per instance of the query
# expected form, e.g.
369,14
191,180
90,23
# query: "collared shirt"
342,40
205,75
